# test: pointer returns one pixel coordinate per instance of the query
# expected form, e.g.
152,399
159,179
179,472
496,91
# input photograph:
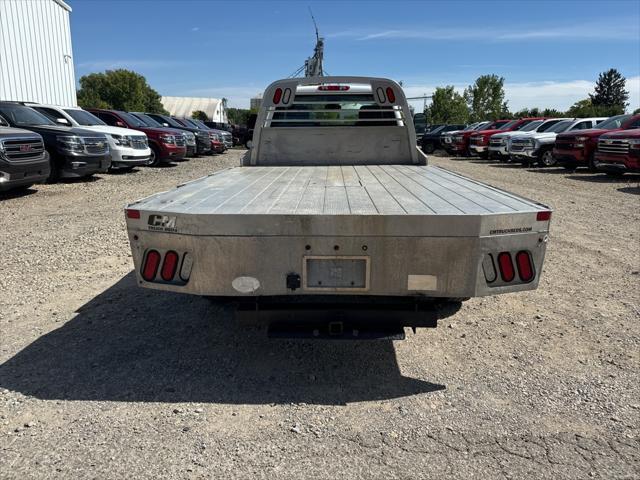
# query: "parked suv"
73,152
189,138
479,140
537,147
166,144
578,149
225,137
203,142
432,139
128,148
619,152
23,159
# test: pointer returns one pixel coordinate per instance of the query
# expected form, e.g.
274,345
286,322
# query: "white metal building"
185,106
36,58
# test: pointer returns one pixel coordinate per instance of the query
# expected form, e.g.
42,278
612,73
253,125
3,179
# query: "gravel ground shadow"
132,344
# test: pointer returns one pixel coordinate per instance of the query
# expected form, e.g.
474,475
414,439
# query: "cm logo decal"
162,223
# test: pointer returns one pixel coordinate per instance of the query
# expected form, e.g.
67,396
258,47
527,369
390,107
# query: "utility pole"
313,65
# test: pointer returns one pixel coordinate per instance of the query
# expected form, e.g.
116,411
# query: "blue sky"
549,52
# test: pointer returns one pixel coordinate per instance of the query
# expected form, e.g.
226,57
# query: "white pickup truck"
335,226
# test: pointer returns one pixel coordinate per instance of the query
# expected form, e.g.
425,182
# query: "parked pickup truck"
447,139
23,159
479,140
462,141
73,152
128,148
335,225
500,142
537,147
166,143
577,149
619,152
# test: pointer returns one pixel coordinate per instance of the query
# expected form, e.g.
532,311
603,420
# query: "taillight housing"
506,267
169,266
543,216
277,95
150,265
525,266
391,95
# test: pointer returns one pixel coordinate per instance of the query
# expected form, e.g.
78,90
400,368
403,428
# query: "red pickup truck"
166,143
479,141
577,149
460,141
618,152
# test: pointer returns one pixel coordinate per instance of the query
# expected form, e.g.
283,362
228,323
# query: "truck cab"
462,141
619,152
73,152
128,148
335,226
577,149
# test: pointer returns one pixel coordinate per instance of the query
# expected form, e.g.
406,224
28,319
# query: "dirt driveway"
101,379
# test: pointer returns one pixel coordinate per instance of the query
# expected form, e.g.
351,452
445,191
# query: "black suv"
203,142
430,140
74,152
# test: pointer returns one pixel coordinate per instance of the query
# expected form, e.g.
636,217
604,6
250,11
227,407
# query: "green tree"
636,111
199,115
447,106
485,98
239,116
609,92
119,89
552,113
586,108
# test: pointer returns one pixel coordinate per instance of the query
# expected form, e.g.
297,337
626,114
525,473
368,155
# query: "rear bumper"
14,175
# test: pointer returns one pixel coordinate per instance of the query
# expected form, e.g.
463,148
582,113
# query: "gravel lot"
101,379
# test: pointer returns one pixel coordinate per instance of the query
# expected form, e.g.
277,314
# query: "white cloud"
615,29
551,94
195,29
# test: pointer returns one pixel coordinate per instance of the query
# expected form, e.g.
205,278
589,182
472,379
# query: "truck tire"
591,163
54,173
546,159
428,147
154,161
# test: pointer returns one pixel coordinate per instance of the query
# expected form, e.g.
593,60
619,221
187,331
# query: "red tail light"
169,266
133,213
525,268
277,95
506,267
543,216
391,95
151,264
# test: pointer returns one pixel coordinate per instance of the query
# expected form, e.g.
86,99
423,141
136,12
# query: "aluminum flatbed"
335,201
